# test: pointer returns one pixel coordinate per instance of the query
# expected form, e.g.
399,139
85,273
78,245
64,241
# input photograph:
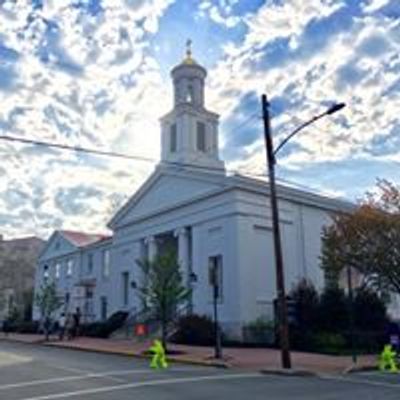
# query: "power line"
81,149
87,150
150,160
142,158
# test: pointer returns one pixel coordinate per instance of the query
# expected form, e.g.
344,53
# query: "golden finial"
188,59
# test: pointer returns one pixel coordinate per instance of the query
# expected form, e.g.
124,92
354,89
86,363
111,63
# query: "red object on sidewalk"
140,330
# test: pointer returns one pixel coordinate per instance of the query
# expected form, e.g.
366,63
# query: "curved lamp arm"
329,111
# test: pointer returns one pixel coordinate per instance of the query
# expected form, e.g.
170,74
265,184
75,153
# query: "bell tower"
189,133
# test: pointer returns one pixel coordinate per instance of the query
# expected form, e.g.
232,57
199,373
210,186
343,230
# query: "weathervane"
189,48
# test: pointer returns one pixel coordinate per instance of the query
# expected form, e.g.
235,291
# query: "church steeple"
189,133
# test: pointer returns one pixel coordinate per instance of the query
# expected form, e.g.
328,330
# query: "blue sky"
96,73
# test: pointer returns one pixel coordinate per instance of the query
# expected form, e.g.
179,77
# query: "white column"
151,247
183,253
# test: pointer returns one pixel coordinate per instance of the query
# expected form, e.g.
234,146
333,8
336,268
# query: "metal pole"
351,315
280,281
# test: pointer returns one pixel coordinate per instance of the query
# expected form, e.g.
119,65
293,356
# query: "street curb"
42,342
359,368
10,339
215,364
289,372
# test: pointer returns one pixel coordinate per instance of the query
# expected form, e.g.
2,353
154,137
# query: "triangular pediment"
57,245
164,190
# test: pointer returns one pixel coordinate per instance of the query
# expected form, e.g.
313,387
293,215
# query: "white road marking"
82,371
70,369
146,383
72,378
7,358
86,375
362,381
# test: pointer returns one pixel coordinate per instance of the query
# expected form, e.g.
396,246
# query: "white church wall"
314,219
210,239
301,228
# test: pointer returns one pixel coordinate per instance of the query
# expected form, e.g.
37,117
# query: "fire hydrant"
159,359
387,359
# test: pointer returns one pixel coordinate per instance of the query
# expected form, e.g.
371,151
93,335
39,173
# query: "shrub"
323,323
329,342
194,329
369,311
306,300
116,320
95,329
306,305
260,331
333,315
27,327
106,328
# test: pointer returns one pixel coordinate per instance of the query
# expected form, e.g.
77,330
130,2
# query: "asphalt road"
33,372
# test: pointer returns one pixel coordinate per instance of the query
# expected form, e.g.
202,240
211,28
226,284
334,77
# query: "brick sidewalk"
245,358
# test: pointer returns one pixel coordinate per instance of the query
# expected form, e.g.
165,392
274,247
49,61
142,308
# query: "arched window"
201,136
190,94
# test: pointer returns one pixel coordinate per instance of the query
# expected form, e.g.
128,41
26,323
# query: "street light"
280,280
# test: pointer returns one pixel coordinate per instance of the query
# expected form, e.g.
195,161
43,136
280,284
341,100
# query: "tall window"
45,272
106,263
90,264
103,307
125,288
58,271
70,267
173,138
201,136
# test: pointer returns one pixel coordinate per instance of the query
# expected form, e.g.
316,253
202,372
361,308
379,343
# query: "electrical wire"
182,165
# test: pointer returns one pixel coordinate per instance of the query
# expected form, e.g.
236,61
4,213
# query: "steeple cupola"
189,133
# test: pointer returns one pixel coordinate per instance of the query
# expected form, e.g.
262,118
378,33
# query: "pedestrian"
69,326
61,326
5,327
77,321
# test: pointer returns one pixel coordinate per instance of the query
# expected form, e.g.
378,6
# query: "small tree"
367,240
48,303
161,289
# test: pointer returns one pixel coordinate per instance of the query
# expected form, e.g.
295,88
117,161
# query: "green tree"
161,289
48,303
367,239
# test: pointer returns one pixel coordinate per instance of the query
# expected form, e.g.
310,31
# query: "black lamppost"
280,279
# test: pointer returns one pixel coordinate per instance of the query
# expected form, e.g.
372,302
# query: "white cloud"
370,108
110,105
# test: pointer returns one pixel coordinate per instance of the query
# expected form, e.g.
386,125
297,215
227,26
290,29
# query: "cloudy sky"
95,73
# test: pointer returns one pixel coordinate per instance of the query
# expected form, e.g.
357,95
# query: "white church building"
190,202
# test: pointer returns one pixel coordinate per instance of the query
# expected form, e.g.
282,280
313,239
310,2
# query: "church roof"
192,186
82,239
